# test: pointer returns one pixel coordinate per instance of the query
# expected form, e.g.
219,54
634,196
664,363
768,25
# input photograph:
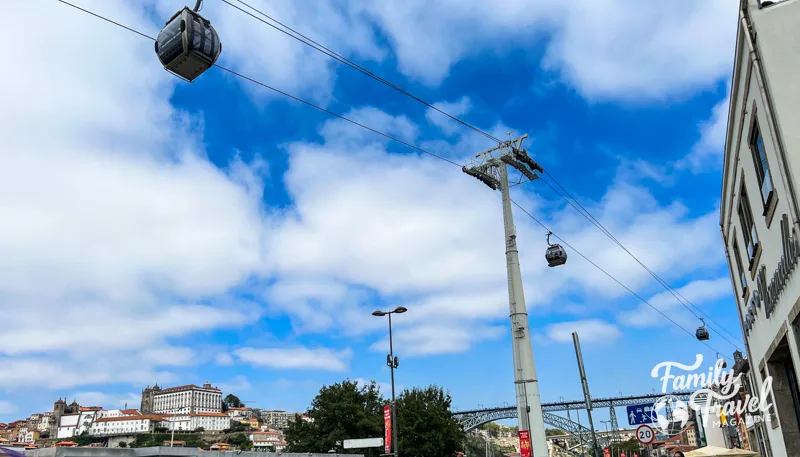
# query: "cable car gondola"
702,333
555,255
188,45
724,363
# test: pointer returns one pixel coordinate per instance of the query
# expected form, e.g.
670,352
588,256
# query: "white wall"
777,35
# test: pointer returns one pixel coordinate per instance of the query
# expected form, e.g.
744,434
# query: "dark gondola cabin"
702,334
188,45
555,255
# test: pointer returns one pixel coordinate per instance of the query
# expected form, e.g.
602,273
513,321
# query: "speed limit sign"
645,434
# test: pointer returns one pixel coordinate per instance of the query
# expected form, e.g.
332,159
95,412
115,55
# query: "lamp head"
378,313
400,310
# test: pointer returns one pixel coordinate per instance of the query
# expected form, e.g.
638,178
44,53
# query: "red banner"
621,454
525,444
387,426
606,452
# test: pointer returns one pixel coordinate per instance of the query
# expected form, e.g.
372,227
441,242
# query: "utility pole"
490,167
587,396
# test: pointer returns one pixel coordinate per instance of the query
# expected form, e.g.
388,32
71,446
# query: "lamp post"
393,362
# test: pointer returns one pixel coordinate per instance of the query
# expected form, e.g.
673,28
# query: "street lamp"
393,362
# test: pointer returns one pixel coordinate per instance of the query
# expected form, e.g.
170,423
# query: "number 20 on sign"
645,434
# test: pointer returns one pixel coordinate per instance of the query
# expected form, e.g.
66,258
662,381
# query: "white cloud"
238,384
589,331
707,153
296,358
73,371
588,42
457,108
438,338
260,51
697,292
107,401
224,359
6,407
120,238
414,231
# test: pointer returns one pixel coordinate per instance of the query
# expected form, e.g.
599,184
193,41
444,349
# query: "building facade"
124,425
759,212
276,419
188,399
207,421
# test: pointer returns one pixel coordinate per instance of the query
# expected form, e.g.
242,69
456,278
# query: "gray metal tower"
490,167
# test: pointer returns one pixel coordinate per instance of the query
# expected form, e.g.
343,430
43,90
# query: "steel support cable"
577,205
642,299
374,131
286,94
342,59
675,293
678,297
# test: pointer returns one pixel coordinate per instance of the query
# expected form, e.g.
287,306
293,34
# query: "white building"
124,425
74,424
240,413
27,435
276,419
188,422
270,440
181,400
118,413
760,211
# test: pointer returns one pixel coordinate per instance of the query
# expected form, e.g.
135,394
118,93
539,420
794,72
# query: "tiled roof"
131,412
185,387
152,417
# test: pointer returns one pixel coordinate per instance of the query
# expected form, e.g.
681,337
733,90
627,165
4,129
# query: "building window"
739,268
748,226
762,166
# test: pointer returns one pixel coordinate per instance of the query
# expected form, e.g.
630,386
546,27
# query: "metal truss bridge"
472,419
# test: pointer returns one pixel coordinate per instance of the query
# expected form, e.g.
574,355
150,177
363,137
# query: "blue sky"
159,231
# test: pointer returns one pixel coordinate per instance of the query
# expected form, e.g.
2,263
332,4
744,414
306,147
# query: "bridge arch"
474,420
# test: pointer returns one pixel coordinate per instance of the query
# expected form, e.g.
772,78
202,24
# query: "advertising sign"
363,443
525,444
387,426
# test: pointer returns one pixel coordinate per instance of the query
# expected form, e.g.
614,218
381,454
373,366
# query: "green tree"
123,444
632,445
554,432
231,401
241,440
492,428
84,439
345,410
426,425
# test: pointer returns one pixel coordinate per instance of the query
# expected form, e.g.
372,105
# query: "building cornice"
729,132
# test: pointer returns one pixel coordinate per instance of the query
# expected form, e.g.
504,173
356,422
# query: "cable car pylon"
490,167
